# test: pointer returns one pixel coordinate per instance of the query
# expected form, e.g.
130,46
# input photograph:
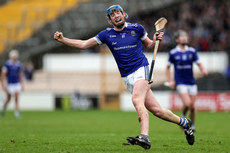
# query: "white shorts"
14,88
140,74
190,89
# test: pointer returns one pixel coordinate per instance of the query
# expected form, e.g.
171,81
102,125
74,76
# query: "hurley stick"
159,25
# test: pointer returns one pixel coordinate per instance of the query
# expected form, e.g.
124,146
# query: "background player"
12,81
183,57
125,41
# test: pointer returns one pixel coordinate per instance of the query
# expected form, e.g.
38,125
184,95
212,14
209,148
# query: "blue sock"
183,123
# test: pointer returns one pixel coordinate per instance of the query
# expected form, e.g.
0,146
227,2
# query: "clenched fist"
58,36
158,36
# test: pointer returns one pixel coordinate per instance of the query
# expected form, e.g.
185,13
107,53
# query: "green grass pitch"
97,131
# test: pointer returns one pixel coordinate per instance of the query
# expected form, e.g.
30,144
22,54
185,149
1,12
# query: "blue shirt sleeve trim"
144,37
97,40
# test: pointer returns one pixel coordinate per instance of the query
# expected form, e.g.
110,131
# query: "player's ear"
125,15
177,40
109,21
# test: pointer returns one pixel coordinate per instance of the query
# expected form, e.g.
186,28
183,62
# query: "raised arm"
149,44
81,44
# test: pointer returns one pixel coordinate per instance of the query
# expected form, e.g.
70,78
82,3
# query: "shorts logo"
114,43
133,33
140,77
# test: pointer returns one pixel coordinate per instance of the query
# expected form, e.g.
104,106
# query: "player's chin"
119,24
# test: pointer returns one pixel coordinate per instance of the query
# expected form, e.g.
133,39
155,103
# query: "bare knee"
187,104
136,101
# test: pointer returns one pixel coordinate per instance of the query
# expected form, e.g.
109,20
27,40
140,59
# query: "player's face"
14,57
183,39
117,18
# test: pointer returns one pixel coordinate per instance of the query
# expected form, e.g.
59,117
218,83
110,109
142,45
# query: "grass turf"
98,131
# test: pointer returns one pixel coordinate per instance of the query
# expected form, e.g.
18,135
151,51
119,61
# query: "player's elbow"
84,47
149,46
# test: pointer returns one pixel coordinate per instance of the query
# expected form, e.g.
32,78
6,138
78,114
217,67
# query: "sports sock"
193,125
145,136
183,122
16,114
3,111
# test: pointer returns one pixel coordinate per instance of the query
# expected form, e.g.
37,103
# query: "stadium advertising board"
204,102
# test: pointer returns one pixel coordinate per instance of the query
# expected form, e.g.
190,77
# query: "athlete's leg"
138,98
192,108
186,100
16,110
8,97
155,108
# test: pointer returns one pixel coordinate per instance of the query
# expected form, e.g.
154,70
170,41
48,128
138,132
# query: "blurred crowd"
207,22
3,1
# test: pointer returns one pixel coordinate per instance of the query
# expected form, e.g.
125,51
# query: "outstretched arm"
3,80
169,78
81,44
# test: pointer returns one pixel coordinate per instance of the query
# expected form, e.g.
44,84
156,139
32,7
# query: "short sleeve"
143,33
100,37
195,57
170,59
4,68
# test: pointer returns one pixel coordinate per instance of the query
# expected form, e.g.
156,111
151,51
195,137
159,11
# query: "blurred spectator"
2,2
28,70
207,23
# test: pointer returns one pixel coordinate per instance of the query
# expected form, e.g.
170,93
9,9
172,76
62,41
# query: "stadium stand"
215,82
2,2
81,22
207,23
20,18
67,82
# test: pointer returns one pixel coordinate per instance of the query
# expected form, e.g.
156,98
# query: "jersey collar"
178,48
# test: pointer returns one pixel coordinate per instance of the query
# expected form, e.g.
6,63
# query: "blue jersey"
12,71
183,65
126,47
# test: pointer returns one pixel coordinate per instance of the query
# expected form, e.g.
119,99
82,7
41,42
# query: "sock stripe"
183,122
